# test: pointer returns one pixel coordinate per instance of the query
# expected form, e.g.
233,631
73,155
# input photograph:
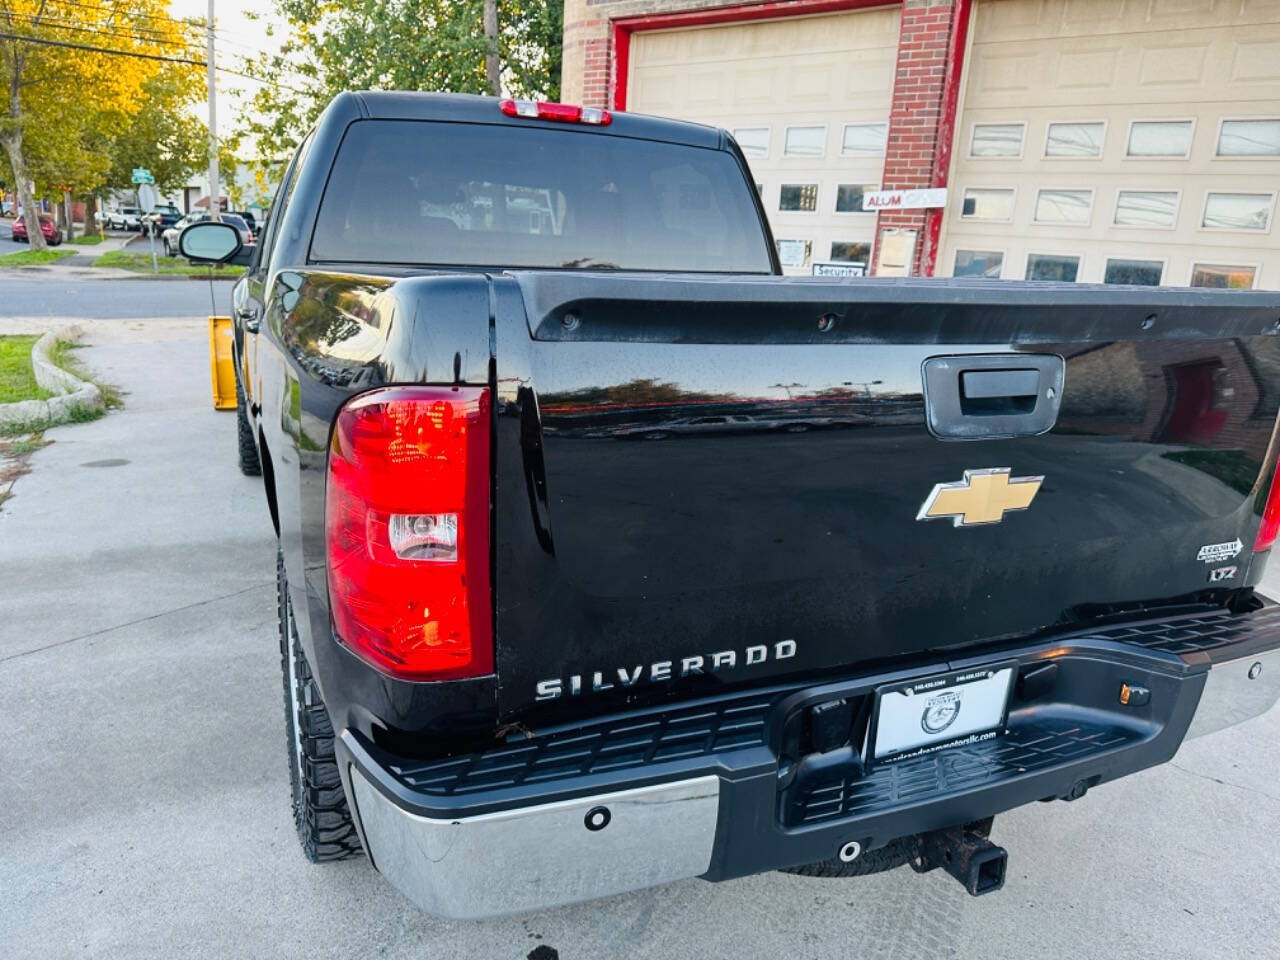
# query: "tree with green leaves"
72,76
397,45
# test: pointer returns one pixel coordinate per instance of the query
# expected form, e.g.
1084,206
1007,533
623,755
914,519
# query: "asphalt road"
47,294
144,790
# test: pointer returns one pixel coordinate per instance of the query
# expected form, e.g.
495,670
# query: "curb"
72,393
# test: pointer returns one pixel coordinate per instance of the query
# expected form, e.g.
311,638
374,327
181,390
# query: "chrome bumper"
1237,690
476,854
546,855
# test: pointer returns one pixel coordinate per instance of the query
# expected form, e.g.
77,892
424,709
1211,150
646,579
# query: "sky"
236,37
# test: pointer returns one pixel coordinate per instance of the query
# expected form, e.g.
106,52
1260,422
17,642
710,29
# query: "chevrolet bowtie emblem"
983,496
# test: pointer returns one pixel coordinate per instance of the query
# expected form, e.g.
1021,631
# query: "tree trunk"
26,197
91,227
491,68
69,216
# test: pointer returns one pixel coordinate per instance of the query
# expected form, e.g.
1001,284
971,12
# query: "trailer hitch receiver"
968,856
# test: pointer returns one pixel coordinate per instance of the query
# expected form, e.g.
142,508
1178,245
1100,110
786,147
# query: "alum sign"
905,199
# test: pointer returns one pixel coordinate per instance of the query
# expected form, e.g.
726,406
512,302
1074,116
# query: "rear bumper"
727,787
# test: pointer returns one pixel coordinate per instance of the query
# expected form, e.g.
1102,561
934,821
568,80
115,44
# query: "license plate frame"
989,688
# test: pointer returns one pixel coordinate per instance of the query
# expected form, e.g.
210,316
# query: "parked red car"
52,235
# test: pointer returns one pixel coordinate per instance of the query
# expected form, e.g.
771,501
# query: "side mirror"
209,242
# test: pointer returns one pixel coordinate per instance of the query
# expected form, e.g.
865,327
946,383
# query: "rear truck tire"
866,862
320,812
250,465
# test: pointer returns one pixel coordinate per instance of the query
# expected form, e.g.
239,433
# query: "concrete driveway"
144,795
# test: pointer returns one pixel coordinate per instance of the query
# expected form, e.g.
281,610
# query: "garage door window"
1071,207
1042,266
805,141
1143,273
754,141
1075,140
850,252
985,203
1146,208
849,196
1170,139
864,139
1249,138
799,196
996,140
978,263
1238,211
1223,277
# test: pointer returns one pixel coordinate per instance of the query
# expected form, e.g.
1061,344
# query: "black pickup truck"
610,557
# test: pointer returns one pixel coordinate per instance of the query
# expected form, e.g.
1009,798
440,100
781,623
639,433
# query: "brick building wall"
930,48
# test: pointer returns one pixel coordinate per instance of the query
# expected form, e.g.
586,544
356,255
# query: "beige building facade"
1132,141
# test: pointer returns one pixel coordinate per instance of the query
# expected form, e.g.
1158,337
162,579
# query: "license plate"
933,713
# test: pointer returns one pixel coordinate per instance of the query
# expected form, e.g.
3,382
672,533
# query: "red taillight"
563,112
407,531
1270,518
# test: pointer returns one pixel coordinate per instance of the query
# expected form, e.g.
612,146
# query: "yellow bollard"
221,366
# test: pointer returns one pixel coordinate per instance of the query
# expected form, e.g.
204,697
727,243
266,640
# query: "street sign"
840,269
904,199
146,197
142,175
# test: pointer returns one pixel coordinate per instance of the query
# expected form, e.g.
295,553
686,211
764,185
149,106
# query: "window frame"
1079,258
1163,261
1177,209
768,141
1004,259
1271,212
1049,124
1249,158
1093,198
808,257
1163,157
835,211
1013,212
1255,267
817,198
865,123
820,155
1022,141
871,249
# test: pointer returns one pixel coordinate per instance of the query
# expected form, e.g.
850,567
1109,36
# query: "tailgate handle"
989,396
992,392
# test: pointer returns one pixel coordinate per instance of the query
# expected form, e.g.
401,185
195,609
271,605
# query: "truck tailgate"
714,481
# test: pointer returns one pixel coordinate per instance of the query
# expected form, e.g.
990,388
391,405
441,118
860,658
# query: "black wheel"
320,810
889,857
250,465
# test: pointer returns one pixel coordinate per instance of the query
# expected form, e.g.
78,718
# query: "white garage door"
808,100
1119,141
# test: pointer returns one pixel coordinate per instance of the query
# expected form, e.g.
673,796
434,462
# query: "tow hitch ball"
967,855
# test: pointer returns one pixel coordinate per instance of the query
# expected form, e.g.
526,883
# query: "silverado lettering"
662,670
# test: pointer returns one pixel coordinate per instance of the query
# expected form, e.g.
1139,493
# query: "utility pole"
215,207
491,66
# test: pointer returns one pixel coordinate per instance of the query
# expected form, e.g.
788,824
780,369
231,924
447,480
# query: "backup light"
562,112
407,531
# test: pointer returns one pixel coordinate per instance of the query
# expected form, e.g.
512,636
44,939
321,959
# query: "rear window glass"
425,193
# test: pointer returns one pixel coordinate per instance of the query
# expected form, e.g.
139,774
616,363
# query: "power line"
67,44
92,49
71,25
134,22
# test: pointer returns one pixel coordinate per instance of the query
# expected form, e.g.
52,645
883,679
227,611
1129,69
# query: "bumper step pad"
1024,749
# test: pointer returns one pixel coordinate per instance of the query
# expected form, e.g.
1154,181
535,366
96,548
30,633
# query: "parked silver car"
124,218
